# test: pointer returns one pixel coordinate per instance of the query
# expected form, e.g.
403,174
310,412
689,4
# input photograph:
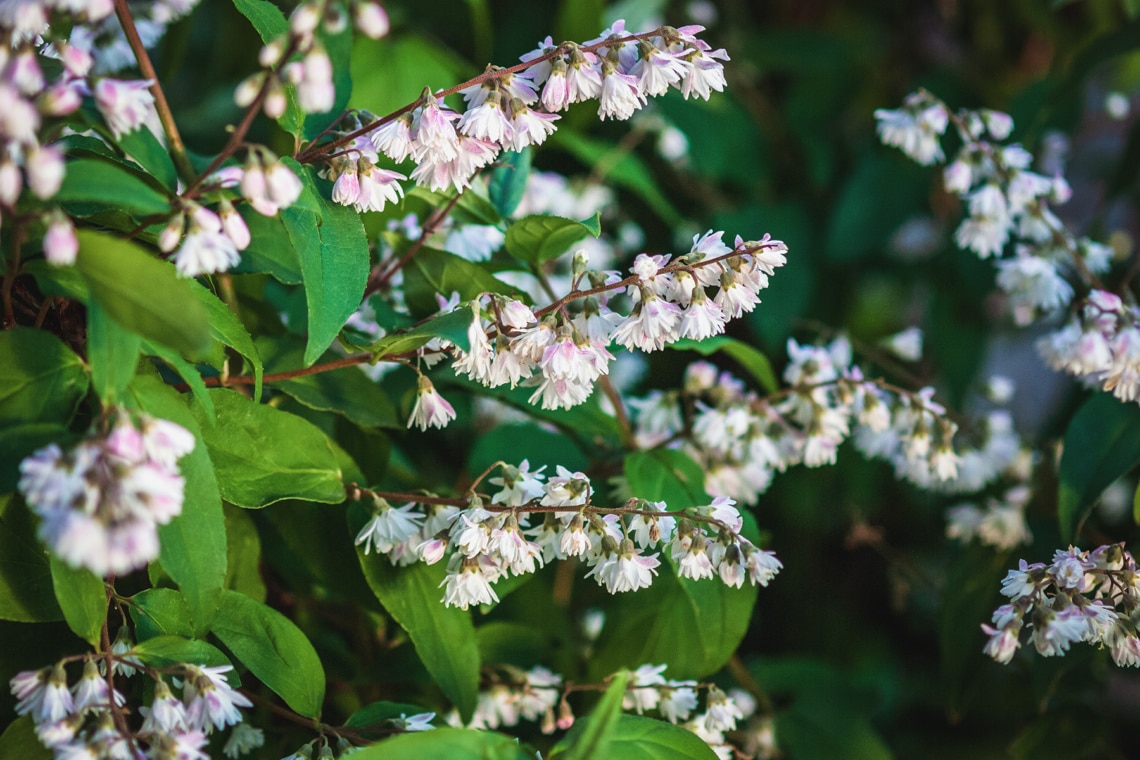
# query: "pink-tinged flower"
125,105
314,80
530,127
394,139
346,189
388,527
431,409
625,570
206,248
762,566
620,96
433,132
371,19
19,119
556,92
703,318
705,73
652,324
167,714
60,244
90,692
656,71
487,121
210,701
583,77
234,227
43,694
44,168
378,187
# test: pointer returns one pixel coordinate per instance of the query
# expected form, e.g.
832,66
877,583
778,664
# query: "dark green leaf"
347,391
144,147
90,180
444,637
167,651
263,455
508,181
20,740
471,208
538,238
26,593
160,612
451,326
748,357
226,328
334,256
266,18
193,545
187,371
270,249
972,583
113,353
433,271
274,650
41,379
83,599
143,294
243,552
379,712
666,475
1101,444
579,19
639,738
449,743
590,738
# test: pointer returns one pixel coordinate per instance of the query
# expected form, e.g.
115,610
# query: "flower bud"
305,19
234,226
60,243
171,234
371,19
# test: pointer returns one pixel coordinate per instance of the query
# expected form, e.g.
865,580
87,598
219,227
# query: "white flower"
243,739
125,105
389,527
431,409
625,570
210,701
467,586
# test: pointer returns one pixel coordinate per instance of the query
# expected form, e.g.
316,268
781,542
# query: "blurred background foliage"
867,644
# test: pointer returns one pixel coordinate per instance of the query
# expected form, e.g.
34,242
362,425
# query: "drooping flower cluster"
1080,596
1100,345
511,110
88,718
563,355
101,502
743,439
540,695
485,542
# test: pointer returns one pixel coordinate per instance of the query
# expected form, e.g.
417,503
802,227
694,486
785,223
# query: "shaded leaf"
590,738
508,181
227,329
538,238
26,592
433,271
638,738
167,651
41,379
113,353
144,147
82,597
160,612
90,180
451,326
450,743
20,740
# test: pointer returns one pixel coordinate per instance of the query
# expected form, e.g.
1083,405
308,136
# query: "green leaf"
590,738
90,180
143,294
451,326
508,181
83,599
144,147
449,743
433,271
635,737
263,455
346,391
113,353
378,712
748,357
270,249
193,545
1101,444
26,593
274,649
471,208
393,73
538,238
666,475
334,256
187,371
20,740
243,552
160,612
579,19
167,651
227,329
266,18
444,637
41,379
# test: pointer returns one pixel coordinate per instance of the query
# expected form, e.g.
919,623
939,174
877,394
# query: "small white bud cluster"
1080,596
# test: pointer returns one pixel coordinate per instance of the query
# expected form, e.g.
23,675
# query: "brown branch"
377,280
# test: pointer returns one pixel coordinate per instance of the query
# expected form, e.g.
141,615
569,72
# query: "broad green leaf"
144,147
508,181
1101,444
93,181
193,545
639,738
83,599
590,738
378,712
19,740
160,612
270,249
619,167
346,391
226,328
113,353
187,371
451,326
808,733
471,208
243,550
538,238
167,651
334,256
266,18
865,215
274,650
666,475
143,294
26,593
449,743
41,379
263,455
444,637
748,357
433,271
388,75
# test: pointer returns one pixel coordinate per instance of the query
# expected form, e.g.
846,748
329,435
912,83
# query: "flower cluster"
1100,345
88,718
1079,596
743,439
540,695
100,503
510,109
563,355
485,542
